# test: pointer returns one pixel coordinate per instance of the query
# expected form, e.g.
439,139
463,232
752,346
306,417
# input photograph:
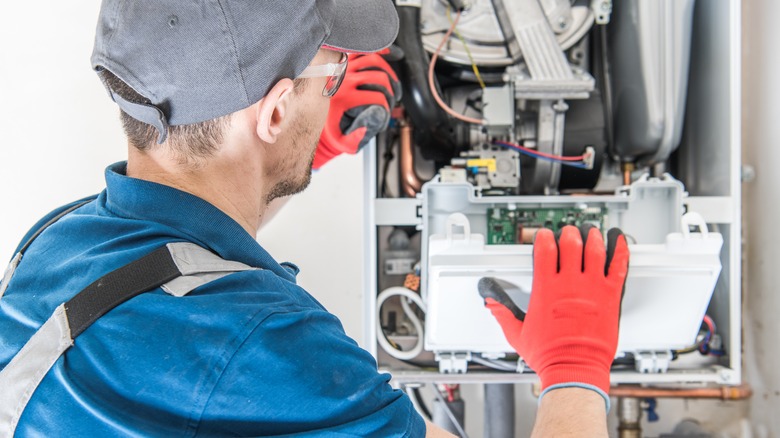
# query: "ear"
272,110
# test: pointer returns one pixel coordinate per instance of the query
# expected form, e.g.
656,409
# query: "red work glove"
360,109
569,335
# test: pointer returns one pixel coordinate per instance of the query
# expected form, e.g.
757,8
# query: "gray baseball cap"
197,60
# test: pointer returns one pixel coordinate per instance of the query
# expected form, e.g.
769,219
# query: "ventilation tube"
438,136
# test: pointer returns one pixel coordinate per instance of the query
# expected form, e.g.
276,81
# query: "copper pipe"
741,392
410,182
628,169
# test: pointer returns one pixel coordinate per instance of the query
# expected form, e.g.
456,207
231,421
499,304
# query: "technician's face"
309,113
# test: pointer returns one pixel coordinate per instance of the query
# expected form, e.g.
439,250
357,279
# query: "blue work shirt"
249,354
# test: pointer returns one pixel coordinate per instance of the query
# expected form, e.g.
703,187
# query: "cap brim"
363,26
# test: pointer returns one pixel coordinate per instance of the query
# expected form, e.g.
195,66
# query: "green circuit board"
514,226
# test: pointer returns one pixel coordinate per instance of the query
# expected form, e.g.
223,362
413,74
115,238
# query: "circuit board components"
510,226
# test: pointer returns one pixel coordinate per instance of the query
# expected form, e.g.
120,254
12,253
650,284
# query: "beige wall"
761,147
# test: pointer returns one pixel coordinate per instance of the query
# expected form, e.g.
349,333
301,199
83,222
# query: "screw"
748,173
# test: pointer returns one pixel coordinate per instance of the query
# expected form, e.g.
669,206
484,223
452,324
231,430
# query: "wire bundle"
703,345
578,161
432,82
405,294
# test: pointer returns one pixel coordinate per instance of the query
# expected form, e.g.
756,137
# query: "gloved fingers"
372,60
374,118
385,69
595,256
616,268
510,325
397,90
617,254
324,153
340,103
378,64
490,289
376,77
545,253
379,89
357,136
570,250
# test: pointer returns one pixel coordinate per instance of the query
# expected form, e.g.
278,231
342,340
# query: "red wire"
432,84
544,154
450,393
710,323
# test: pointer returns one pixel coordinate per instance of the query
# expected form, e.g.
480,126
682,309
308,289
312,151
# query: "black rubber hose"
439,135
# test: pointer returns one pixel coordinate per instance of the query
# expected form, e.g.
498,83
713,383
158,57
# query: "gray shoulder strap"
9,272
191,267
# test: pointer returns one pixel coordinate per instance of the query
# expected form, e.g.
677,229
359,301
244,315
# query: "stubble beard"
292,181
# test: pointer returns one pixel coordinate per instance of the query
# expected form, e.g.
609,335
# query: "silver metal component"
498,107
499,410
558,14
479,26
653,41
629,417
529,36
545,74
399,266
453,363
602,10
560,109
397,211
546,175
652,362
578,86
748,173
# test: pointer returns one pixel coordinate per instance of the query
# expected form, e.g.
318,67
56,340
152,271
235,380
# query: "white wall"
59,130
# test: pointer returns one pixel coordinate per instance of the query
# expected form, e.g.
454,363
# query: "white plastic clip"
693,219
458,220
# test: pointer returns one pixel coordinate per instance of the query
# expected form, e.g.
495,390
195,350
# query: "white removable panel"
667,291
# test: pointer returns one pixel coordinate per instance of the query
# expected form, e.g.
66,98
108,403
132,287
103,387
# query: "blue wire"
539,157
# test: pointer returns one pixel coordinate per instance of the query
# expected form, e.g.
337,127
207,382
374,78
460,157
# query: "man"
223,104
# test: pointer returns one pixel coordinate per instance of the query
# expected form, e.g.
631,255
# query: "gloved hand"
570,333
360,109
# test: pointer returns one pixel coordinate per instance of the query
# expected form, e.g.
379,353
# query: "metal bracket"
453,363
602,10
652,362
398,211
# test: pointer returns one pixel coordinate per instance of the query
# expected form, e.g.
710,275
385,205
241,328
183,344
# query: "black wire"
418,398
695,347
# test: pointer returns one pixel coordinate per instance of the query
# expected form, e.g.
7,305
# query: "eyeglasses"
333,71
